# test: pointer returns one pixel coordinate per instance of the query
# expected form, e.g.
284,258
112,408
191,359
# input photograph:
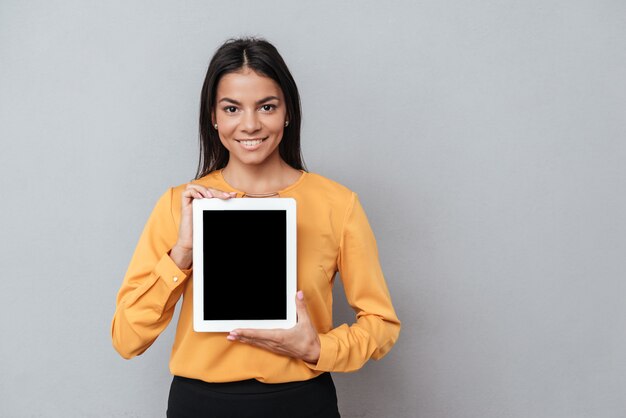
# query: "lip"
251,148
251,139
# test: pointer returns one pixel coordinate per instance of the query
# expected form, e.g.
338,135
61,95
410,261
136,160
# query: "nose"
250,122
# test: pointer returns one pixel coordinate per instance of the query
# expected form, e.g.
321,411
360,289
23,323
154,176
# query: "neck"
268,177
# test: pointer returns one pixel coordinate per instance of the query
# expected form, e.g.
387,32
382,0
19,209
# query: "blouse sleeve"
377,327
152,285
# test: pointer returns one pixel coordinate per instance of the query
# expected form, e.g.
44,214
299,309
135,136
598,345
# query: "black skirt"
314,398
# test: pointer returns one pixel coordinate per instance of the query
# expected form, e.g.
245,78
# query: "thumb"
301,311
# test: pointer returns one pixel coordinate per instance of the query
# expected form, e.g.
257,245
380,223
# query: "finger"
264,345
246,334
210,192
248,339
268,345
196,194
236,335
204,191
274,348
220,194
257,335
301,310
191,192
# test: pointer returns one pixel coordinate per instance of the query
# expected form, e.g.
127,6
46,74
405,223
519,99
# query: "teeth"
251,143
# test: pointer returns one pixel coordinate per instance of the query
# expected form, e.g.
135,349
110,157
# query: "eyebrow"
258,102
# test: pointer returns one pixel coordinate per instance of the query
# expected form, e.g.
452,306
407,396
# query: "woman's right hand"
182,251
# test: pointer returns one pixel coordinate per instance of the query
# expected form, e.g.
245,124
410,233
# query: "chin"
256,159
253,160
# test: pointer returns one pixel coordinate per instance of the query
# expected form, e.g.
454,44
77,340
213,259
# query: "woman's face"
250,113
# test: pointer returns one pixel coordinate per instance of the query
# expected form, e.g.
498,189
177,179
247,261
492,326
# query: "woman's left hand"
300,342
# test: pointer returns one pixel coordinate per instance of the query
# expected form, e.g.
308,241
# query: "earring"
215,126
286,123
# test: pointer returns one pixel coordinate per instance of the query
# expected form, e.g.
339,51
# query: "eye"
268,107
230,109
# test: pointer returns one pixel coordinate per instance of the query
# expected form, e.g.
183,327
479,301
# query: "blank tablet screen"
245,264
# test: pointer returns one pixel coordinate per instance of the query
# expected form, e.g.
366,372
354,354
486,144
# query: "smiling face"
250,113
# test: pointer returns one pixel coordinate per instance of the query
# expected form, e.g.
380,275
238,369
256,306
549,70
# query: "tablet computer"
244,263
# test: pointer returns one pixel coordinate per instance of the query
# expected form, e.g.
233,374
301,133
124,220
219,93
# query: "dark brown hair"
263,58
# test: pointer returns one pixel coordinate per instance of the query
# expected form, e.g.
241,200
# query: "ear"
213,120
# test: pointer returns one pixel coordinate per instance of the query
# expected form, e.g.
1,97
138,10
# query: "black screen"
245,264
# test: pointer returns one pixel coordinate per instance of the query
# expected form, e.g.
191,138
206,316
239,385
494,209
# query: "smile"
251,143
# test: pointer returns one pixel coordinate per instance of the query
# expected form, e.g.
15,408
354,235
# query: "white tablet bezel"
199,206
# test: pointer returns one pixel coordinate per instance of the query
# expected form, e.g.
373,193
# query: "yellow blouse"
333,235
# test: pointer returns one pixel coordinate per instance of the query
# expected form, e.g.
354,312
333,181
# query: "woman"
250,147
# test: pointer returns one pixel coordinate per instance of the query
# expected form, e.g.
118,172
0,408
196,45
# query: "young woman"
250,147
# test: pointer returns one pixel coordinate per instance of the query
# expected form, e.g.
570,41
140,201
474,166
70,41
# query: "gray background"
486,140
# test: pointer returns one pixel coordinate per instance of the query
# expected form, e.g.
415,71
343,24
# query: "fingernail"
233,333
231,338
300,295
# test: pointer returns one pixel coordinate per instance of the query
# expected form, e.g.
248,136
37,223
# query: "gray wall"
486,140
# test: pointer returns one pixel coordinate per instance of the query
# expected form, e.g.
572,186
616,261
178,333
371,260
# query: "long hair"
263,58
